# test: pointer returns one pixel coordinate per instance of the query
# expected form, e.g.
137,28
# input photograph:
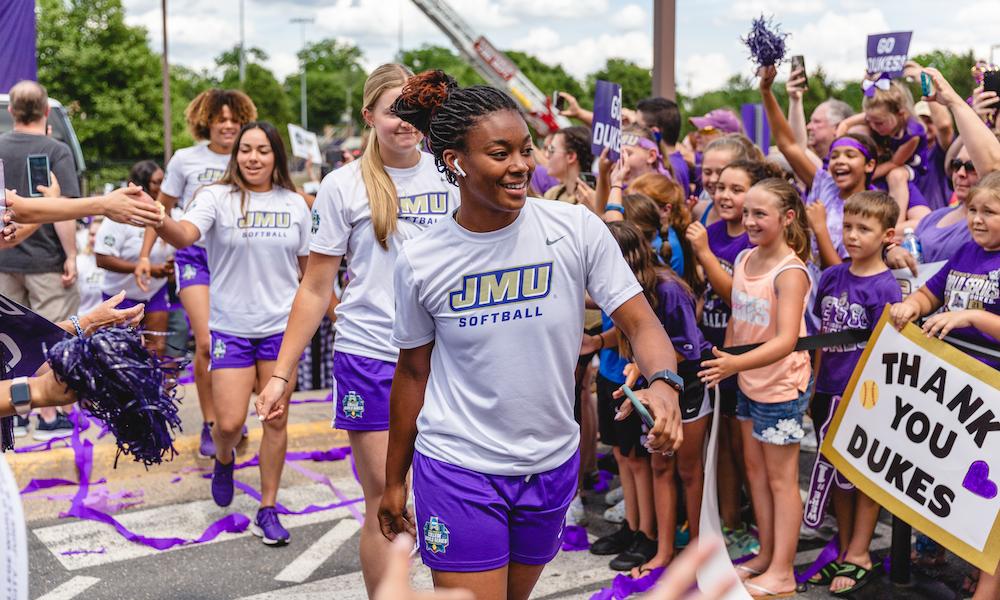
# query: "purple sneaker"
222,482
207,447
267,527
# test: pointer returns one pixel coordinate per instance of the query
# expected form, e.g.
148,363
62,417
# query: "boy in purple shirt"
852,295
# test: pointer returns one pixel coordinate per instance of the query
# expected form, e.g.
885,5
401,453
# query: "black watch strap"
670,378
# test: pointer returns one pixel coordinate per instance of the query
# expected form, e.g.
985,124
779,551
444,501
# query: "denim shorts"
778,423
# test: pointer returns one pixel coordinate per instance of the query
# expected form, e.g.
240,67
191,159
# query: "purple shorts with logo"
361,387
234,352
191,267
468,521
157,303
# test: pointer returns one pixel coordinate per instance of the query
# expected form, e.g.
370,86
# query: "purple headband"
630,139
850,143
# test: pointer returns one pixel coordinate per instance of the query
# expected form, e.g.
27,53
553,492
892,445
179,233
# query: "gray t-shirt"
42,252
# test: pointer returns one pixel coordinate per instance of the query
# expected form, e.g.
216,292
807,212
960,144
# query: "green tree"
259,83
636,82
334,83
106,73
437,57
185,84
546,77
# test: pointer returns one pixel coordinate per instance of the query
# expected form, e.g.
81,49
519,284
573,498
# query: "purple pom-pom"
766,42
121,383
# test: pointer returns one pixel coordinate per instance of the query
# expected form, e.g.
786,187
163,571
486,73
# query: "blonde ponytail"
382,199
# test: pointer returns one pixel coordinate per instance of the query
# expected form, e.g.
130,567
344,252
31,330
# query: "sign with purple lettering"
887,53
917,430
24,337
755,124
607,127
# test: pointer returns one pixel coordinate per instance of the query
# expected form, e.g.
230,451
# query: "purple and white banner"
607,126
887,53
17,43
24,336
755,124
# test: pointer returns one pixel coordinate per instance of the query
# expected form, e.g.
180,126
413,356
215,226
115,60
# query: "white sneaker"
826,530
616,514
614,496
808,442
576,514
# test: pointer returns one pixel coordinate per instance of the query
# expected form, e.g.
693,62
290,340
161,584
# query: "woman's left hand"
942,323
717,369
107,315
584,193
632,374
661,400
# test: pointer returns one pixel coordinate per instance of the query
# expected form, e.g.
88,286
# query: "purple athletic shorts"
468,521
361,387
191,267
234,352
158,303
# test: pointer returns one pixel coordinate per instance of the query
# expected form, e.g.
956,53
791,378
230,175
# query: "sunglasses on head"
957,164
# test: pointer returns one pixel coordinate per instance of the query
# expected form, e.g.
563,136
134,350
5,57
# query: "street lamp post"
303,21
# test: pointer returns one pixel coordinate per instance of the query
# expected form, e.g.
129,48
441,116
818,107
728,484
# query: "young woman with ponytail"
363,214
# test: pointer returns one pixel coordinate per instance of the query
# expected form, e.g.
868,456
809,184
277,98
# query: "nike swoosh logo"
549,242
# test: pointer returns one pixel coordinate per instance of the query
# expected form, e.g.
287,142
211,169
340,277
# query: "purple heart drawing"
977,480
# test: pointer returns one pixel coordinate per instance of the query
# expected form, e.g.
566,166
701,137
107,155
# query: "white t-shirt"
252,256
124,242
89,282
505,310
189,169
342,227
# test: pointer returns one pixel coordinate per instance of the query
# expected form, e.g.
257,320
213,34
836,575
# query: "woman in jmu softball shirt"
214,118
255,228
364,213
489,315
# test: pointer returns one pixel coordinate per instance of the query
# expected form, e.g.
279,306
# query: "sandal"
825,575
856,573
747,572
757,591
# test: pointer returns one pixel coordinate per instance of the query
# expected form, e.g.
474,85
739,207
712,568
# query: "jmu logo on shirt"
423,209
210,175
257,219
507,286
219,349
436,536
353,405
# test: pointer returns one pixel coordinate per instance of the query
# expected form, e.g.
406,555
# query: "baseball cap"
922,109
720,119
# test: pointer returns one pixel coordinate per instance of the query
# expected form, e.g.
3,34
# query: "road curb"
59,462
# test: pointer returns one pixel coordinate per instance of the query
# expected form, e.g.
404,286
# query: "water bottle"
912,244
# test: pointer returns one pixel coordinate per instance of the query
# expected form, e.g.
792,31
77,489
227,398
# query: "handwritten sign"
304,144
887,52
607,125
918,431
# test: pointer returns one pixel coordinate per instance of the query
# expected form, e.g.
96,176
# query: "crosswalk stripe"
71,589
326,546
187,520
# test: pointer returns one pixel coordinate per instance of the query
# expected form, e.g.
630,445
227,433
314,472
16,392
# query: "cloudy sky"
579,34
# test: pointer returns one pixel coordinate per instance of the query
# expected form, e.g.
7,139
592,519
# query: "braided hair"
436,106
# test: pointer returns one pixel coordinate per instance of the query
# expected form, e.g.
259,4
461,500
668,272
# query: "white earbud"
458,168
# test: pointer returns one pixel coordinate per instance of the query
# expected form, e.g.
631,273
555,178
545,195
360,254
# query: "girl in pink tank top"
770,285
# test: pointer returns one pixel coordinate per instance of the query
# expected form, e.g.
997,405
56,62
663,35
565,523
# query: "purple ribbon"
323,479
329,398
624,586
603,479
249,490
868,86
829,554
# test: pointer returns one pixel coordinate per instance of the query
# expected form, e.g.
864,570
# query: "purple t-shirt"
914,129
715,314
934,184
682,172
541,180
826,191
847,301
675,308
941,243
970,280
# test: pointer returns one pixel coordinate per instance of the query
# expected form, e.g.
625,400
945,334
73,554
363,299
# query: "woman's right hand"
132,206
898,258
572,109
796,84
767,75
393,515
984,103
268,404
697,234
943,92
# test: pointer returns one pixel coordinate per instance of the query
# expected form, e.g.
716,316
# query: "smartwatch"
20,396
669,377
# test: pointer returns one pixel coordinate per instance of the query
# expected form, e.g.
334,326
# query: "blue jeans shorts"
778,423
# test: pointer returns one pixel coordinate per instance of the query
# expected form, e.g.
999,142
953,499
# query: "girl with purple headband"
852,160
640,154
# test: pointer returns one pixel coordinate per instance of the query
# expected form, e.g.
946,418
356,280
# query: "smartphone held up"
558,102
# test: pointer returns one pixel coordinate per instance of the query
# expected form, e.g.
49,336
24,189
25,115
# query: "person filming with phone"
40,271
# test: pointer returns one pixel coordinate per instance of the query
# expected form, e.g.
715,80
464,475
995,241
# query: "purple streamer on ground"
604,479
826,556
78,552
43,446
575,538
249,490
176,479
323,479
121,383
766,42
624,586
311,400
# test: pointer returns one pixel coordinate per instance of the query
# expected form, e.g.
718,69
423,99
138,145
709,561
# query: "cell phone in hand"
558,101
799,64
926,88
991,81
38,173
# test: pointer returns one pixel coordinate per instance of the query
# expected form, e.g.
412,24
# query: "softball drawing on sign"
869,394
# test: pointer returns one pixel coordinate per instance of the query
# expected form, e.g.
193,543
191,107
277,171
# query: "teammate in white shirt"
90,278
255,228
489,315
214,116
363,214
